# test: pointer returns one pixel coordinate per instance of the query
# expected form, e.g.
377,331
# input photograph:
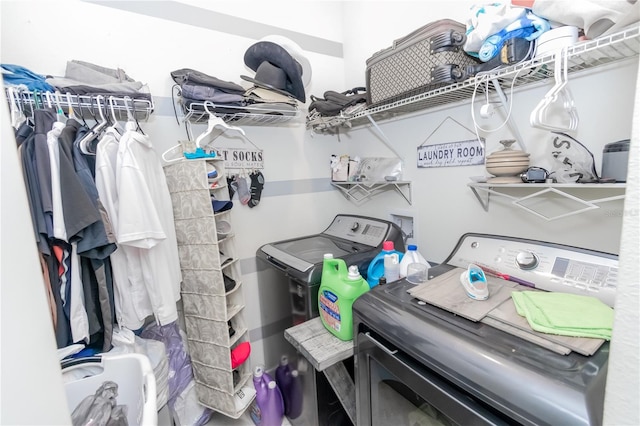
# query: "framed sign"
467,152
462,153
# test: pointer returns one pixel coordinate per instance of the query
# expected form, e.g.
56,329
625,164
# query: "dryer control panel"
543,265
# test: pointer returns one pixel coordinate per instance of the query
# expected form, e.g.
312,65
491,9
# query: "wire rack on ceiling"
581,56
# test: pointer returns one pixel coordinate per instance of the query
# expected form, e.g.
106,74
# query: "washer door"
393,389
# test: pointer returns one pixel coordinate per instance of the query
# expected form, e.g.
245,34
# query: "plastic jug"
295,398
376,266
391,267
273,412
268,408
411,256
284,381
339,288
324,259
288,382
260,380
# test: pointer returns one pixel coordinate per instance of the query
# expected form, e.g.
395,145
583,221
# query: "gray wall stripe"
209,19
269,330
301,186
163,106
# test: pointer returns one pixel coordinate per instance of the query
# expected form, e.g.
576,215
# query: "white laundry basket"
133,374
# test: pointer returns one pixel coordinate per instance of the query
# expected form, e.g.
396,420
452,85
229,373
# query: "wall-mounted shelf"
198,112
359,192
581,56
551,201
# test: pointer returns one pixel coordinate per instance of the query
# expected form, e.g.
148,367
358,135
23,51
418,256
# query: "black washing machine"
357,240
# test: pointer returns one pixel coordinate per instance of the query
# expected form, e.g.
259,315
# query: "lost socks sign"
238,158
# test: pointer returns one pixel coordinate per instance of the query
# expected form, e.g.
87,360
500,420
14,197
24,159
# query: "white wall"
446,207
43,35
31,389
623,392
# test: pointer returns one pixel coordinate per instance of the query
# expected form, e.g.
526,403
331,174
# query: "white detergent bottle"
391,267
412,255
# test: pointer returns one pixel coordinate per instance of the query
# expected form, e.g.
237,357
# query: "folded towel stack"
565,314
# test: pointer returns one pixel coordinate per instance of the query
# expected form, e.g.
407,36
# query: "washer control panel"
361,229
545,266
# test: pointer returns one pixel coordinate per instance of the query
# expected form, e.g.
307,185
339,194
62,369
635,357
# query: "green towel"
565,314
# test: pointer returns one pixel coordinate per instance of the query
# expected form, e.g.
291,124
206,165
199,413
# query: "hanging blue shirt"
18,75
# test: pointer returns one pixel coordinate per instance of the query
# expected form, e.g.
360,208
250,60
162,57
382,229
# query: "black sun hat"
275,69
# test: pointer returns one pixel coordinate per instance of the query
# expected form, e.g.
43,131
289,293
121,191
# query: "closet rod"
86,106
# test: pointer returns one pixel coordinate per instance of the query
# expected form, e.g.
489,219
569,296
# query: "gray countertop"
321,348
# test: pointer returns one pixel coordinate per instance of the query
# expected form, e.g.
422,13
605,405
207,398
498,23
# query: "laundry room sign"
462,153
240,158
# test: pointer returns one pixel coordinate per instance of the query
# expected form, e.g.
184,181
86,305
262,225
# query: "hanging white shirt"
145,221
132,302
78,315
59,229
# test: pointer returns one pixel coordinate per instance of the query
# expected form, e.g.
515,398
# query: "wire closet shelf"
581,56
198,112
87,106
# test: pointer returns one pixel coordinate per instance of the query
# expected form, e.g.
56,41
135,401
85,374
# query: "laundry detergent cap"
258,371
387,245
412,247
354,273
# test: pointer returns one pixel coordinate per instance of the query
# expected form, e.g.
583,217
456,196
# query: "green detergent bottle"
339,288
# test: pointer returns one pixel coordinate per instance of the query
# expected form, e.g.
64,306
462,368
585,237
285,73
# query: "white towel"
487,19
594,16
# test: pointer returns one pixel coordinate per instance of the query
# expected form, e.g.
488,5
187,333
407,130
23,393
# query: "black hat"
275,69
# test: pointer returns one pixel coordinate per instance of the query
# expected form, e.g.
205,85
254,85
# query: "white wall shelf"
551,201
581,56
359,192
198,112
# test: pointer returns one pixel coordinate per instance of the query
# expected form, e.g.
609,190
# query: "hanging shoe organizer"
212,291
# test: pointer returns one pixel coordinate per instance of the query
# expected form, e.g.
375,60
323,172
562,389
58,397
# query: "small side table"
326,352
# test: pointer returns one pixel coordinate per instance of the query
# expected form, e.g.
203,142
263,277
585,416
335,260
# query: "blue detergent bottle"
376,266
